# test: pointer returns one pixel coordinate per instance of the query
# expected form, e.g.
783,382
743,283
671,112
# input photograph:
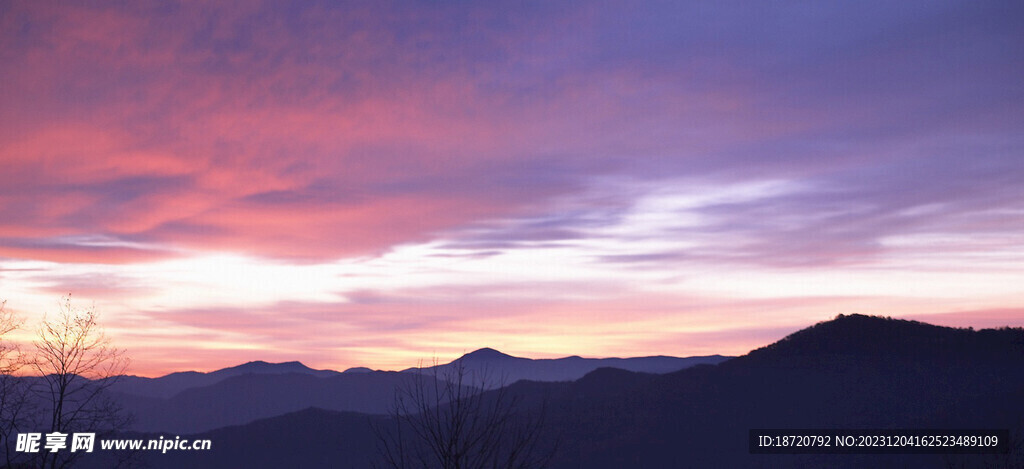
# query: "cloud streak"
384,152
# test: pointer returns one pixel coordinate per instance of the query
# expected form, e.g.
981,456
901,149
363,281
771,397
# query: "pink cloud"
85,254
174,145
172,128
141,131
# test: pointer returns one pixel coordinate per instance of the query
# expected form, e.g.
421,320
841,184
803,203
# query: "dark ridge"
610,381
875,336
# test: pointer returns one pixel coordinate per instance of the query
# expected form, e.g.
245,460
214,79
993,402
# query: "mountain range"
169,385
851,372
189,402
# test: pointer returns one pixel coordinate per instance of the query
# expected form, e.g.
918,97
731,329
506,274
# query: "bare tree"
453,418
76,364
14,400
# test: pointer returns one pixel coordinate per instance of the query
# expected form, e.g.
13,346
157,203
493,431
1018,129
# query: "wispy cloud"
229,157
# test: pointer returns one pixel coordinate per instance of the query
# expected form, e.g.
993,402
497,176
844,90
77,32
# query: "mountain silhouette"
262,367
248,397
486,353
497,368
852,372
171,384
193,402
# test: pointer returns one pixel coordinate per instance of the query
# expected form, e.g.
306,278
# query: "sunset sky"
376,183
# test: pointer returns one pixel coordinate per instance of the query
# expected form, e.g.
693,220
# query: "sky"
375,183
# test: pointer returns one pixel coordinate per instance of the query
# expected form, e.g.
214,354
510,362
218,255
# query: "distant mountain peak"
486,353
263,364
251,364
260,366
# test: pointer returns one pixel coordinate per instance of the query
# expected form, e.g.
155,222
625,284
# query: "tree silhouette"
76,364
458,419
14,402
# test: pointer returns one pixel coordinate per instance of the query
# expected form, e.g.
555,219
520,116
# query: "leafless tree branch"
76,364
453,418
